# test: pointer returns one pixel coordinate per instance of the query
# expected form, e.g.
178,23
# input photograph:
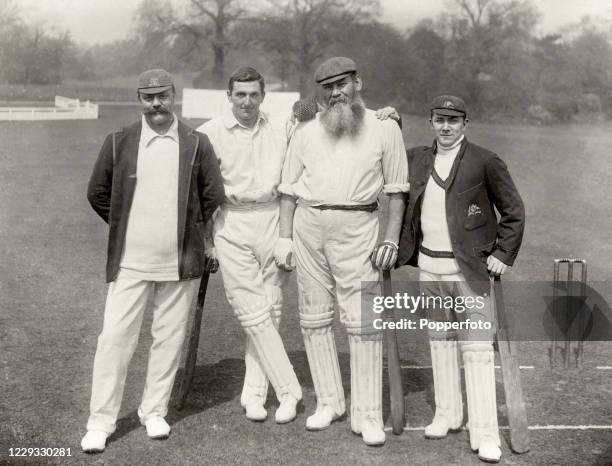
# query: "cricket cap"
448,105
154,81
334,69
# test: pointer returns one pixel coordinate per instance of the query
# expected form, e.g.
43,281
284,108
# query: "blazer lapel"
129,152
188,146
453,173
427,165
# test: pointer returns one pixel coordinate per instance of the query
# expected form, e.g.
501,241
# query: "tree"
29,54
299,32
204,23
424,59
489,47
9,15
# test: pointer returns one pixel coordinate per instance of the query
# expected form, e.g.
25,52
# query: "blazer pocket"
474,206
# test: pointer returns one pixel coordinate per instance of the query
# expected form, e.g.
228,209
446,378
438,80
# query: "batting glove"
283,254
384,255
211,264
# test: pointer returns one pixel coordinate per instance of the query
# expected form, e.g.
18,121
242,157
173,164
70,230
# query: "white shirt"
349,170
251,158
151,239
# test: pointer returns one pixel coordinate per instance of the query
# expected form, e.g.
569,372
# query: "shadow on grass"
219,383
212,385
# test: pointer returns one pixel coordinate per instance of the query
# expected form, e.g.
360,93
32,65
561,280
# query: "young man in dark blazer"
156,183
451,232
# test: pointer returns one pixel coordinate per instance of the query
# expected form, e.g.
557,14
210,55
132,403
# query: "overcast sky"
98,21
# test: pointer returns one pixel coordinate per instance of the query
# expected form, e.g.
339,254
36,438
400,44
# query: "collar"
450,150
147,134
231,121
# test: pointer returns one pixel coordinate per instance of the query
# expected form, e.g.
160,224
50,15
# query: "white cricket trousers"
245,238
126,302
332,249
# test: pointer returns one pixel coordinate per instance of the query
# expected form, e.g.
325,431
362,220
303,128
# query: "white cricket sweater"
434,225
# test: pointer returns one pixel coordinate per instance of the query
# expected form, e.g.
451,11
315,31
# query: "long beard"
343,118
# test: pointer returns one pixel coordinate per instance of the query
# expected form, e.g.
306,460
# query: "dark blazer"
200,191
478,183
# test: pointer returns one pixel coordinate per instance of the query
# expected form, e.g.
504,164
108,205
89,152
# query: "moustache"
161,111
338,100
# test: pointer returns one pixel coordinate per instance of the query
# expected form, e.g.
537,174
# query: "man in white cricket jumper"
452,233
335,169
155,183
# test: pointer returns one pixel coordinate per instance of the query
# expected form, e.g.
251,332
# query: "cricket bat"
396,390
515,403
192,347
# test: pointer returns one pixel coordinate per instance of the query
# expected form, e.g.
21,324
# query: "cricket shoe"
94,441
286,412
157,428
371,432
440,426
255,412
488,450
322,418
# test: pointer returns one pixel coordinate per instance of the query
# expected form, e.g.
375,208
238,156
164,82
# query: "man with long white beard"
335,169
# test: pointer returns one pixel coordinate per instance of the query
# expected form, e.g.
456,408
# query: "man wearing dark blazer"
452,233
156,183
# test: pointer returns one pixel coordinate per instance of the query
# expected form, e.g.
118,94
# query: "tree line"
488,51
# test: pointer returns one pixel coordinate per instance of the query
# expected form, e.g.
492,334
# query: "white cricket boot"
94,441
157,428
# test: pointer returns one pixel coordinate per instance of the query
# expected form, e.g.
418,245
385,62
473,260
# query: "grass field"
53,249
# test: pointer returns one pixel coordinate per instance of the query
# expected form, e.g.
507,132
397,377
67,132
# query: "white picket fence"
64,109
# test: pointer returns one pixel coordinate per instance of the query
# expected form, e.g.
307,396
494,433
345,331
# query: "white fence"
207,103
65,109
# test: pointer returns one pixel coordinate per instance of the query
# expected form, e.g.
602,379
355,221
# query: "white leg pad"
255,387
478,359
323,361
275,297
447,388
366,381
366,387
271,353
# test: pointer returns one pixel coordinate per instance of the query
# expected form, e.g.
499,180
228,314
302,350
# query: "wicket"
569,304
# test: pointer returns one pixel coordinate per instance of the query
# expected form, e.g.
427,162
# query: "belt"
248,206
356,208
436,254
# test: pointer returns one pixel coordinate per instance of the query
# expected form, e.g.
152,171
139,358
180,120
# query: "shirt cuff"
393,188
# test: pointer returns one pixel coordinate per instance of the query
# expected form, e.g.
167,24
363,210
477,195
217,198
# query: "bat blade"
394,372
192,347
513,390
